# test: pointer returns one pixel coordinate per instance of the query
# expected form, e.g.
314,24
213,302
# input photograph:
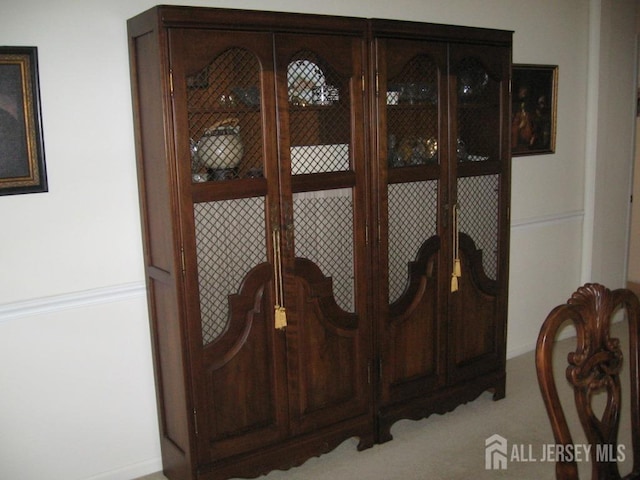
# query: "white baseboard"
567,331
133,471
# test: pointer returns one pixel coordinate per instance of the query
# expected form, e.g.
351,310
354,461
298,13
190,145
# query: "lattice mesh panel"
412,123
224,117
319,114
478,112
478,217
230,240
412,220
324,234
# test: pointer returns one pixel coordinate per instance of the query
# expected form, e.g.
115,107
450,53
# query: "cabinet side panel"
153,170
157,204
171,378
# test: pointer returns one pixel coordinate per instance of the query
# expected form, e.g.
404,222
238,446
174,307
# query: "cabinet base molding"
291,453
441,402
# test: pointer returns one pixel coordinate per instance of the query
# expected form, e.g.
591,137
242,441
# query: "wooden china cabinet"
441,206
325,215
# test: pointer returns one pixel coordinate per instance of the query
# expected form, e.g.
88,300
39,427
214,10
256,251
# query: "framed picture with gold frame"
22,164
534,93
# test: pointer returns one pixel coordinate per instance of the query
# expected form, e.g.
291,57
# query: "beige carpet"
452,446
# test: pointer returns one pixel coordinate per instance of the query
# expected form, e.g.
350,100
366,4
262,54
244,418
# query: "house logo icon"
495,453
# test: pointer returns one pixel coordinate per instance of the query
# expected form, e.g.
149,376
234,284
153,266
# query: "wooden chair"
593,367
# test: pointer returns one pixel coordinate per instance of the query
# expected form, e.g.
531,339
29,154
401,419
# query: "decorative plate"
302,77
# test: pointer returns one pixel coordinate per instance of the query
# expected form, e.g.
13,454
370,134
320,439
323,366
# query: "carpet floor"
452,446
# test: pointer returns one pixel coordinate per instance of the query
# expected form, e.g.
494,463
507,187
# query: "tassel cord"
279,310
457,268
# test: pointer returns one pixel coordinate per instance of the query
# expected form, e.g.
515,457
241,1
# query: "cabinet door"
322,227
225,143
480,183
412,162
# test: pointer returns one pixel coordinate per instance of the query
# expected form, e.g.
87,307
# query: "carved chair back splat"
593,367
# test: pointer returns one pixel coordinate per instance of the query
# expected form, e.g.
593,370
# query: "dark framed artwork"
22,165
534,93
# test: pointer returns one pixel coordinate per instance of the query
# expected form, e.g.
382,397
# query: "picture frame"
22,162
534,109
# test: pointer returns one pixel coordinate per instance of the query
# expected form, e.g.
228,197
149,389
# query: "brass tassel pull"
457,268
280,312
454,283
281,318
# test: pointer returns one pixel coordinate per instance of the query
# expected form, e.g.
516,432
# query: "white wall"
633,274
611,150
77,396
634,233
